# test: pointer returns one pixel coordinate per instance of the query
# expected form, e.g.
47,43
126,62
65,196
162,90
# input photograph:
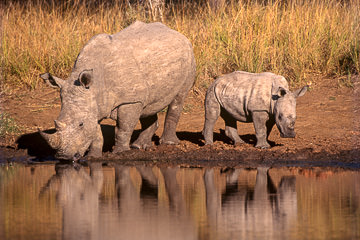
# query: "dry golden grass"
292,39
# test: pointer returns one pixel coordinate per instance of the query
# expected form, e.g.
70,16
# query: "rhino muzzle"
288,135
52,139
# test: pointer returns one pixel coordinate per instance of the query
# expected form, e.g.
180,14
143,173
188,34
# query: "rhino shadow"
108,132
38,148
193,137
247,138
36,145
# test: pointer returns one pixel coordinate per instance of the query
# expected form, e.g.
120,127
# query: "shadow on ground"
37,147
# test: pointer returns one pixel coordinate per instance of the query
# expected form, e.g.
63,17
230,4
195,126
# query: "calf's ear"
52,81
86,78
281,92
300,92
279,87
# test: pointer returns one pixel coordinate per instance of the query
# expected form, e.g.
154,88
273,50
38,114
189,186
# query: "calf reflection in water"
253,211
136,214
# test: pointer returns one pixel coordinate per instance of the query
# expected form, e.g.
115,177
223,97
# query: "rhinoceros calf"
261,98
127,76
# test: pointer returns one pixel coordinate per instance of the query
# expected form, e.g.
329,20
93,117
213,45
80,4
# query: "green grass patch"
8,125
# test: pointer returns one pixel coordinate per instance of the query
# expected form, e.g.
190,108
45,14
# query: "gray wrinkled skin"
261,98
127,76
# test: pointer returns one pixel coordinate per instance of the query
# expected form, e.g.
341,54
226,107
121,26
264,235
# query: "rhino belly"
163,99
237,111
233,101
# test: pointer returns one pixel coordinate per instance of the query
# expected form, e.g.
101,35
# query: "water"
120,202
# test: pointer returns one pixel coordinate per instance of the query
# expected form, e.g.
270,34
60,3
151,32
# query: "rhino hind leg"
260,120
148,127
231,128
212,113
127,117
171,120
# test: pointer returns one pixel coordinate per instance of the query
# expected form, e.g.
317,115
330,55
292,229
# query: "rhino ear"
300,92
279,87
52,81
281,92
86,78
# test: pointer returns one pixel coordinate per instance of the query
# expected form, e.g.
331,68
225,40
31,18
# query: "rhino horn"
52,139
59,124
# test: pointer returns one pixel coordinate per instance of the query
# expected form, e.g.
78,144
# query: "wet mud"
191,152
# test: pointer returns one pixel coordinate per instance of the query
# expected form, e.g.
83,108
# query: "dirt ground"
327,127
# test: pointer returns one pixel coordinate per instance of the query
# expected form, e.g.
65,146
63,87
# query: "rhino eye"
280,116
81,124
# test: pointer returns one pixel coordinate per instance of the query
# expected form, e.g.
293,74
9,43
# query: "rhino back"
241,93
147,63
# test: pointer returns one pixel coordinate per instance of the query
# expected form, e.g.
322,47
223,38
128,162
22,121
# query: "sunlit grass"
291,39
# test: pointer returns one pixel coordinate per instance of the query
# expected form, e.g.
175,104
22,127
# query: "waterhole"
113,201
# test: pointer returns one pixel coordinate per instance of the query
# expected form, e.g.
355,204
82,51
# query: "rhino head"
285,109
78,121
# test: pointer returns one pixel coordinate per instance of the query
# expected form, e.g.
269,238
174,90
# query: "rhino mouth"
288,134
62,156
54,141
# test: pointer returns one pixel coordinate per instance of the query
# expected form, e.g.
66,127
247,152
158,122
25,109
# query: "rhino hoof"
119,149
94,154
145,146
170,142
239,143
264,146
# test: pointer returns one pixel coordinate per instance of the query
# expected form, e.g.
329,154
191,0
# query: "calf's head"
285,109
77,123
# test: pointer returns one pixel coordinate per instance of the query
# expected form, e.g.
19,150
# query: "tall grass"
292,38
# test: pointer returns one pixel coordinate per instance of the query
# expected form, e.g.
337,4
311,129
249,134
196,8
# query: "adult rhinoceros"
127,76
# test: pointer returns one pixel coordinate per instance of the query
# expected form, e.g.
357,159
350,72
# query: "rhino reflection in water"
78,195
137,215
137,221
251,212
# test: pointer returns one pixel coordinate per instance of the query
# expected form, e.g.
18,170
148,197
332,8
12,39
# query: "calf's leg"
231,127
260,119
212,113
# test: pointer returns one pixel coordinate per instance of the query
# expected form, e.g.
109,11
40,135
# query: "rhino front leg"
260,119
148,126
96,146
212,113
127,117
269,125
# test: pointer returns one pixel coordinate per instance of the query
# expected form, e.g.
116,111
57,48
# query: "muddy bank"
327,127
205,156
